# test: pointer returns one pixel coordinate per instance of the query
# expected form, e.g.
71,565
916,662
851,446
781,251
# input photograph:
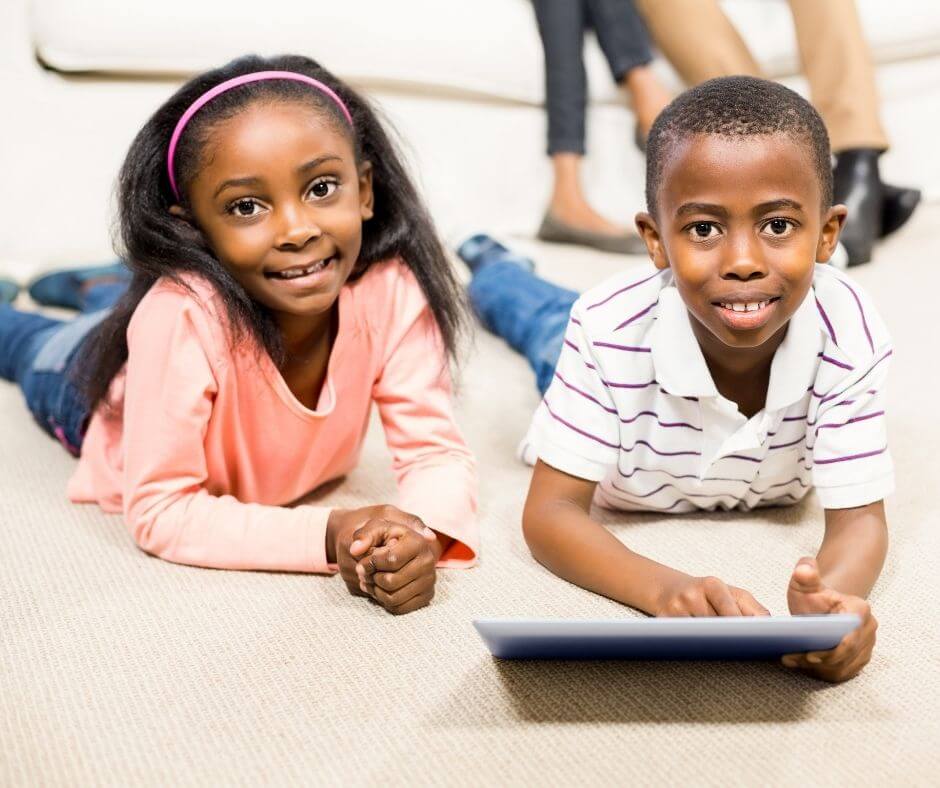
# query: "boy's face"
739,221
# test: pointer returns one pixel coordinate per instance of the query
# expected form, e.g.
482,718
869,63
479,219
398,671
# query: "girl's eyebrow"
252,180
314,163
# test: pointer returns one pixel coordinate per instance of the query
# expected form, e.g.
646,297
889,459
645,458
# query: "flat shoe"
63,288
555,231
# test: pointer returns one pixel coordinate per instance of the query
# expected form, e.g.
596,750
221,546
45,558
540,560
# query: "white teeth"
748,307
298,272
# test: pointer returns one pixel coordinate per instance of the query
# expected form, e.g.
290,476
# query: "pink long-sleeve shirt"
205,447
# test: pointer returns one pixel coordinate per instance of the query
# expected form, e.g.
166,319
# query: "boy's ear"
366,197
829,232
649,232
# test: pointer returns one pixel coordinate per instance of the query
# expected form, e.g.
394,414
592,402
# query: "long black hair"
155,244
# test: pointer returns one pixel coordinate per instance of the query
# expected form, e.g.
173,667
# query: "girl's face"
281,201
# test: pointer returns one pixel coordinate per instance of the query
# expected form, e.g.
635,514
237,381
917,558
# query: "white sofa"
461,81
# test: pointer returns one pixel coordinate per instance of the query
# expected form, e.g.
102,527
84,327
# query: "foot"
581,216
70,288
898,206
857,184
481,250
9,290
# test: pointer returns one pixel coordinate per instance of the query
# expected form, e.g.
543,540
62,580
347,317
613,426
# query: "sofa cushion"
488,47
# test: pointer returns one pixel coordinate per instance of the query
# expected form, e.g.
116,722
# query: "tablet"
744,638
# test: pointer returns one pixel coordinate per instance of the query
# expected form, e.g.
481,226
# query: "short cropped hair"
737,107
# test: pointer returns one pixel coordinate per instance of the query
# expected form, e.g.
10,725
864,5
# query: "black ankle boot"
857,184
899,204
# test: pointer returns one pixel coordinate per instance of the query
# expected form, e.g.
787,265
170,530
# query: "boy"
734,373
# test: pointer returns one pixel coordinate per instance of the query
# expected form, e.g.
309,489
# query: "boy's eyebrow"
701,207
776,205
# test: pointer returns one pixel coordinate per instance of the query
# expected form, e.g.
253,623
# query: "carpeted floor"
120,669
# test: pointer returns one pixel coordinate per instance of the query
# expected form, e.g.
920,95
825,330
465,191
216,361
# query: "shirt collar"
677,358
681,369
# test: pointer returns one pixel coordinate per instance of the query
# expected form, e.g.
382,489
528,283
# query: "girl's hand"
808,594
706,596
400,574
352,533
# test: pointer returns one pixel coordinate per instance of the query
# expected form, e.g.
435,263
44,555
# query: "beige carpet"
120,669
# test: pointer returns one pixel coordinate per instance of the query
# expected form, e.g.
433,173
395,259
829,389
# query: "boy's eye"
244,207
779,227
703,231
323,189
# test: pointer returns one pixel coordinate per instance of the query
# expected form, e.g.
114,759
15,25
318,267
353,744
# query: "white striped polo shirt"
633,405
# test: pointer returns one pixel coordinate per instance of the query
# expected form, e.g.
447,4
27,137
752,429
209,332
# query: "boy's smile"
740,222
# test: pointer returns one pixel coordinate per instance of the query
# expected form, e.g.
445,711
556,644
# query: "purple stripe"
684,494
631,348
785,445
825,317
839,394
578,430
572,345
613,385
584,393
637,316
852,457
706,479
835,363
740,457
861,311
865,417
575,320
661,453
796,418
624,290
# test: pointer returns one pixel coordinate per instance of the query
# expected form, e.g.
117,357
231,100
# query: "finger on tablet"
720,598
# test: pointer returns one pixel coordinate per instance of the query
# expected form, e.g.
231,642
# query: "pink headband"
258,76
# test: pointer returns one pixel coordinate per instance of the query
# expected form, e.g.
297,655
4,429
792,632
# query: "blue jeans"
528,312
38,353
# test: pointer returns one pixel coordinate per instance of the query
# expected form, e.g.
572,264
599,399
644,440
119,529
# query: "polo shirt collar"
680,365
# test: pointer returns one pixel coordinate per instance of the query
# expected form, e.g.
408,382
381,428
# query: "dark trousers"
623,38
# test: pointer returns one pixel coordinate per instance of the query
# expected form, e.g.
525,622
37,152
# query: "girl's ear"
829,232
649,232
366,197
180,213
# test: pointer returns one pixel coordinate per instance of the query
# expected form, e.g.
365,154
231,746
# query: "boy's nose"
297,227
743,260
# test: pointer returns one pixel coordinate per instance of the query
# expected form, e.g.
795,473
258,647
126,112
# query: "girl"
285,275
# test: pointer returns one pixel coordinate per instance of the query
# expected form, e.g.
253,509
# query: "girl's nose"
297,227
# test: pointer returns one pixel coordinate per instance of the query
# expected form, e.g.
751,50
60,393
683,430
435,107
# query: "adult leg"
515,304
697,38
838,66
570,217
626,45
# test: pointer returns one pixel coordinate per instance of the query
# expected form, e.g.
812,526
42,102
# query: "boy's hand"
706,596
352,533
808,594
400,573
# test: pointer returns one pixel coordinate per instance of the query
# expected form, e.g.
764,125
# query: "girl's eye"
323,189
779,228
703,231
244,207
